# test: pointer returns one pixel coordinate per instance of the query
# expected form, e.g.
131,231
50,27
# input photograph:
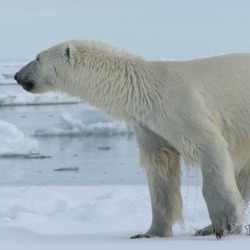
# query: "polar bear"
198,109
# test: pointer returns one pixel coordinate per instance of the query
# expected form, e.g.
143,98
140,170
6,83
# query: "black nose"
15,76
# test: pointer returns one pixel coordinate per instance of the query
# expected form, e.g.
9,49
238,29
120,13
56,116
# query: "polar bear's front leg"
220,191
162,165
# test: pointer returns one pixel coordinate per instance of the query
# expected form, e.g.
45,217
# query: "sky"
153,29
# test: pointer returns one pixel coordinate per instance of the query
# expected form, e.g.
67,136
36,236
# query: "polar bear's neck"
123,87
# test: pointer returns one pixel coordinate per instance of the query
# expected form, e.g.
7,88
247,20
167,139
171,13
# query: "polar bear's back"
221,83
211,68
223,78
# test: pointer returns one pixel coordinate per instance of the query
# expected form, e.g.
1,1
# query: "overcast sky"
154,29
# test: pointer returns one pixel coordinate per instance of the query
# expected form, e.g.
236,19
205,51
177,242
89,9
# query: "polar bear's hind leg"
243,184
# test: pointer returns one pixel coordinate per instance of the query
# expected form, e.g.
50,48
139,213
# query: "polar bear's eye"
38,58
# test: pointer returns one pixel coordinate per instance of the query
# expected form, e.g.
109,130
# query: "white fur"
199,109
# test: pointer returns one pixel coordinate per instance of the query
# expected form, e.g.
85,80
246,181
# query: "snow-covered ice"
97,217
14,143
68,125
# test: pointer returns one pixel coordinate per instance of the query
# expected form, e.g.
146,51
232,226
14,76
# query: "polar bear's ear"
69,53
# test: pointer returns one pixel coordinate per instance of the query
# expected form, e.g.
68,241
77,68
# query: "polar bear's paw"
225,209
209,230
153,233
140,236
204,231
227,221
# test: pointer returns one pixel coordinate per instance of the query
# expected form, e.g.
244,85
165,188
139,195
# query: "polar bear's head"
63,66
50,71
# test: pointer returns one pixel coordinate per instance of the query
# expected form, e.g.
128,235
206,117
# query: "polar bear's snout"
25,76
26,84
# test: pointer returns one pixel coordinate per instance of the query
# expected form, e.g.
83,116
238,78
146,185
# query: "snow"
14,143
97,217
69,125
